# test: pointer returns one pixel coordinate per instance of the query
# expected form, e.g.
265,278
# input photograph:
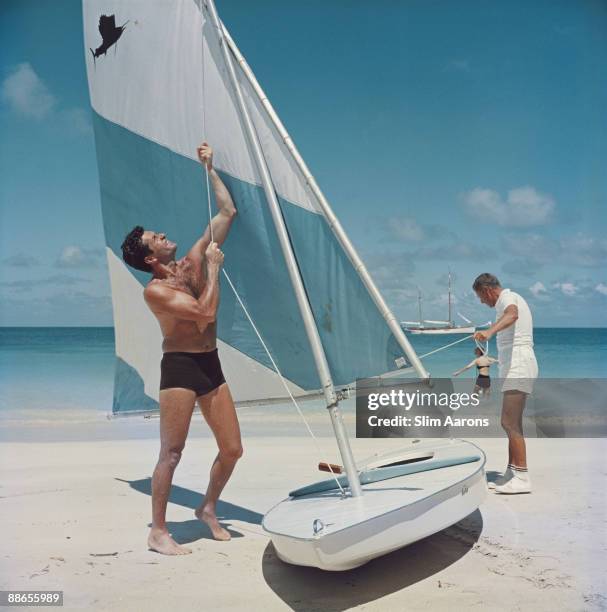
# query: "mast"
449,318
320,359
332,220
419,304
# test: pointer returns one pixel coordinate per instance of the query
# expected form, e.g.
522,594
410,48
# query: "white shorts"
518,368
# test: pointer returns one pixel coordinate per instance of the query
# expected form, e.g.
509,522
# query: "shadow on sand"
492,475
306,588
185,532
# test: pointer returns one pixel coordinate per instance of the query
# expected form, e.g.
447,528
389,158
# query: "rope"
244,308
485,348
442,348
204,132
480,346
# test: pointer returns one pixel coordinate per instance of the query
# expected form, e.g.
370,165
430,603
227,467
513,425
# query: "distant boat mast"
450,318
426,326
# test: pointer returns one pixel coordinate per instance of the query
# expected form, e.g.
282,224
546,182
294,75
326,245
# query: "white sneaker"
519,483
502,479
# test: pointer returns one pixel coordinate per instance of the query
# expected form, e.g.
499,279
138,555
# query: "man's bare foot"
162,542
219,533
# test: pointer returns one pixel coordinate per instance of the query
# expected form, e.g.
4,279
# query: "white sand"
75,517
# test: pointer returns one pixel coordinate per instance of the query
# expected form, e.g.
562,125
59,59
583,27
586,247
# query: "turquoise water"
561,352
72,368
50,368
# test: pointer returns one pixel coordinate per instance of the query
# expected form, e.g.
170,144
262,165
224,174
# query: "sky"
468,136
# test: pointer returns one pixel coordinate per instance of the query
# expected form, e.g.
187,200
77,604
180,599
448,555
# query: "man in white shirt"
518,369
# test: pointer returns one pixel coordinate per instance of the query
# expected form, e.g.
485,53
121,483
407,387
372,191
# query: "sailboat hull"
389,515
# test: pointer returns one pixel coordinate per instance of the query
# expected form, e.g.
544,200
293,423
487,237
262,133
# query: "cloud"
538,289
400,299
389,268
78,120
77,257
437,232
568,289
30,284
21,261
523,207
584,250
521,267
442,299
405,228
583,288
455,251
27,94
392,272
531,249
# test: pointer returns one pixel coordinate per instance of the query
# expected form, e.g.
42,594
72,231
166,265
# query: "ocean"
55,370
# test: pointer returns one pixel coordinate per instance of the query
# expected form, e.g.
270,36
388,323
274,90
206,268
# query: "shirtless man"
184,296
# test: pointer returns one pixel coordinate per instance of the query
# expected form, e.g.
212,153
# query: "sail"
158,85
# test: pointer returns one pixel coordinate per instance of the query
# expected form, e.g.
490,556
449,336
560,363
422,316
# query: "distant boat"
428,326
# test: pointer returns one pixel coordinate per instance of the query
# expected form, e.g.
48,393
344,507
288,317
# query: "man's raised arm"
222,221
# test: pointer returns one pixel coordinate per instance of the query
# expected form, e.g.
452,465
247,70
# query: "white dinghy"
409,496
294,289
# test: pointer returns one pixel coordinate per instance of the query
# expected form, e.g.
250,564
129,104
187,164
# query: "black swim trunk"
200,372
483,381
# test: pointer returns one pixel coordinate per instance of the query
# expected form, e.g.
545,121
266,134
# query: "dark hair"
480,350
134,251
485,280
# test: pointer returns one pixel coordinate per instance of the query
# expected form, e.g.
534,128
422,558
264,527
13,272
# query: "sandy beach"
75,507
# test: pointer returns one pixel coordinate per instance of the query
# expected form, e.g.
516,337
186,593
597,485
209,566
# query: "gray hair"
485,280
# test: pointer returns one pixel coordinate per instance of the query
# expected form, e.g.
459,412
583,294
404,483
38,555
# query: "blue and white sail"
158,85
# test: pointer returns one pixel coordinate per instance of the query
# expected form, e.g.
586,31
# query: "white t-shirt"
520,333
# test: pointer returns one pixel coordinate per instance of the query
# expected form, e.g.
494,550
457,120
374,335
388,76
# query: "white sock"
519,472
